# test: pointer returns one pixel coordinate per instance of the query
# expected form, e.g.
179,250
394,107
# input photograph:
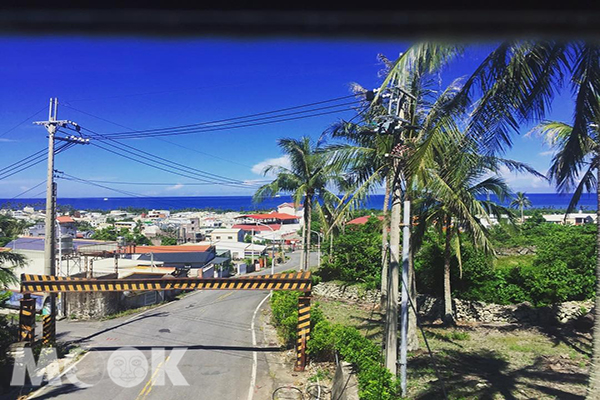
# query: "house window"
229,237
218,237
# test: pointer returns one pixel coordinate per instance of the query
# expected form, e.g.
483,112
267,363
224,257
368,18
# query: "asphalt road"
210,337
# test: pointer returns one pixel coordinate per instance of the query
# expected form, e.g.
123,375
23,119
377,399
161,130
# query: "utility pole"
392,125
52,125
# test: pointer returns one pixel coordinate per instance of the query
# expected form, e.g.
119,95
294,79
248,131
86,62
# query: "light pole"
273,251
319,234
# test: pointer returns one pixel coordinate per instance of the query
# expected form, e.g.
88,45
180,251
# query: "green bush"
374,380
284,306
356,255
562,269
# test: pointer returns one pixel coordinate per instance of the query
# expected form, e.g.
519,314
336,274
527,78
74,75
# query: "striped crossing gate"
299,281
27,319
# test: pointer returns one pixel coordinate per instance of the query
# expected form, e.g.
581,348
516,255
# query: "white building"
579,218
226,235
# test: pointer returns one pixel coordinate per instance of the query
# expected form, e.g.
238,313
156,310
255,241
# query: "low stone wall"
345,292
430,308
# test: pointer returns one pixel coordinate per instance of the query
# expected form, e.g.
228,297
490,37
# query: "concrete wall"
345,384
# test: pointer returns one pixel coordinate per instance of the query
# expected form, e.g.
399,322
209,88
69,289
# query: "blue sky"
145,84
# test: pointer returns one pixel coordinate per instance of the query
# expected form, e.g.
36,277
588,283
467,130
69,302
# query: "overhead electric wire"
28,190
163,161
22,122
231,126
38,153
245,117
186,174
39,159
155,183
159,138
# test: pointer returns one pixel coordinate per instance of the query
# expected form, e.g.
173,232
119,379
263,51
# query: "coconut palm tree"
312,171
453,205
517,82
8,261
521,201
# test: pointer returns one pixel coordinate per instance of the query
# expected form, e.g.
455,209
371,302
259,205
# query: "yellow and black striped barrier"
48,329
303,331
27,319
299,281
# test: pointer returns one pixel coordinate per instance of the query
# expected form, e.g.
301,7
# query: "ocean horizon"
588,202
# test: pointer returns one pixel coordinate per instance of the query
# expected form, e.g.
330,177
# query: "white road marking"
254,353
57,378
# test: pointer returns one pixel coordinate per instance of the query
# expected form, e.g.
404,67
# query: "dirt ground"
483,361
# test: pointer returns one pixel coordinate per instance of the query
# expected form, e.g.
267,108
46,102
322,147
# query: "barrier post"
303,331
27,319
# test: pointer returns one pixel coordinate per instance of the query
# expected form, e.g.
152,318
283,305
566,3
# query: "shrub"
284,306
356,255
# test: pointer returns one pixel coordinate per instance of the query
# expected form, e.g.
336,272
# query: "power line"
227,121
29,190
22,122
186,174
37,160
156,183
241,124
161,139
144,154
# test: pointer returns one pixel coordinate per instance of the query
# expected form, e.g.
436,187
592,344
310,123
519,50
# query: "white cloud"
7,140
176,187
524,182
283,161
546,153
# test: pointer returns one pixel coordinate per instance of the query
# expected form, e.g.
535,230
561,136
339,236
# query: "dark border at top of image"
457,19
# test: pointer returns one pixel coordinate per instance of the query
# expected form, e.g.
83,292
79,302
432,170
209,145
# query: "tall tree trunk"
594,384
392,310
385,242
331,246
412,336
307,219
448,317
522,216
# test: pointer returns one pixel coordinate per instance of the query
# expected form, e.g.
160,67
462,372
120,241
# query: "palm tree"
521,201
453,191
312,170
576,165
8,261
517,82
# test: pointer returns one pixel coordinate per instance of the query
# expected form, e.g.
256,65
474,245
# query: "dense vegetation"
111,233
561,267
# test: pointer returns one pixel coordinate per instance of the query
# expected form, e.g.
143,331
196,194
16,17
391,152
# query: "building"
158,214
129,225
226,235
65,227
579,218
274,221
363,220
193,256
291,209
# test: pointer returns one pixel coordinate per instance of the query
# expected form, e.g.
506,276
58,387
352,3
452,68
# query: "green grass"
514,261
131,311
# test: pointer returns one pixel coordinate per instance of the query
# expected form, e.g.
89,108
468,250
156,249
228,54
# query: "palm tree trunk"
522,216
412,336
330,246
307,221
385,243
448,317
594,384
